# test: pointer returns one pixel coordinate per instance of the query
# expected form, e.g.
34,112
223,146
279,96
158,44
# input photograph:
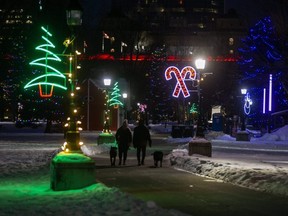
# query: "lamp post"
200,65
243,93
125,95
106,129
74,19
71,169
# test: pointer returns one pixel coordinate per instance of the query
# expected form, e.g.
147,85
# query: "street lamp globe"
200,63
107,81
124,95
243,91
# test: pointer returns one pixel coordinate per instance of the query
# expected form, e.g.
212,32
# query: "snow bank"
260,176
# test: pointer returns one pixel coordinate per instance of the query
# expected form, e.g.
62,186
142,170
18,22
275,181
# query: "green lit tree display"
193,109
51,77
114,97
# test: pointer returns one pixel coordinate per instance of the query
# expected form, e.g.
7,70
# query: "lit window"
231,41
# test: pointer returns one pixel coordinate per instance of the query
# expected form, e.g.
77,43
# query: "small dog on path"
158,157
113,155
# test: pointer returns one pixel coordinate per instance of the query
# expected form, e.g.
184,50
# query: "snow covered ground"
25,181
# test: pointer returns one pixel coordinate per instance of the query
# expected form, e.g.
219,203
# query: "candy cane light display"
181,77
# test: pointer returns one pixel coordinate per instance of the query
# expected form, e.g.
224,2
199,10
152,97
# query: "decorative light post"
243,93
106,136
106,129
71,169
74,19
200,65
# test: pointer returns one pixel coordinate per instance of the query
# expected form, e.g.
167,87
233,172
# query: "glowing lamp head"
124,95
107,82
243,91
200,63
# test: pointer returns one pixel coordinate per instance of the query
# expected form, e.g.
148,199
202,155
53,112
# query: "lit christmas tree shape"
51,77
193,109
115,95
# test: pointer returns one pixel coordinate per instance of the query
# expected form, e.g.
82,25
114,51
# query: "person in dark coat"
141,137
124,139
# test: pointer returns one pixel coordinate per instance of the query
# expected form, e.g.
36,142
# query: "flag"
105,35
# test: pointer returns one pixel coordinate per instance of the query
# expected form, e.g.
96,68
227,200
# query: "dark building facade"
15,26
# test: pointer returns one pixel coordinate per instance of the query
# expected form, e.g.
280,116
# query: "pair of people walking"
141,137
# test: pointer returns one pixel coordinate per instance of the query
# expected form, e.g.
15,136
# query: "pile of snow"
258,176
279,135
268,179
25,190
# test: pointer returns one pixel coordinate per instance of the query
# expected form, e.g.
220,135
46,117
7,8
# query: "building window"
231,41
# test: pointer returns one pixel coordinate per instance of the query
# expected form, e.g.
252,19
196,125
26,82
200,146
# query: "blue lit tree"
262,53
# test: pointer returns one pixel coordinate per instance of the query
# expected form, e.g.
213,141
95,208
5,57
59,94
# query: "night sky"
93,11
250,11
